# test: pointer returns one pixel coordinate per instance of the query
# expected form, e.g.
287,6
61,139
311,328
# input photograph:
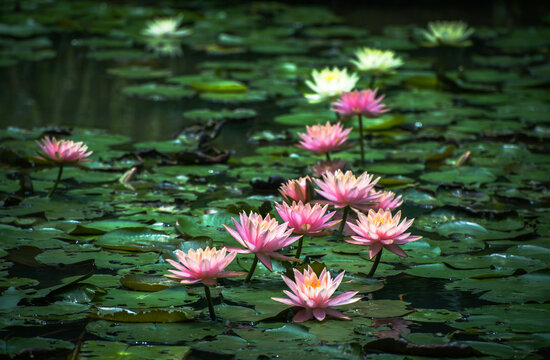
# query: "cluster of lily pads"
464,148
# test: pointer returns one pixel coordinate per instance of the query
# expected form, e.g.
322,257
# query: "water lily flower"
364,103
297,190
305,219
449,33
313,294
344,189
62,152
329,83
165,28
262,237
204,265
379,230
322,139
387,201
376,61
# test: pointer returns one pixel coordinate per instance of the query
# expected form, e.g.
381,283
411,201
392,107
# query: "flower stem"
375,265
372,81
251,271
209,301
327,156
361,139
344,217
299,250
50,194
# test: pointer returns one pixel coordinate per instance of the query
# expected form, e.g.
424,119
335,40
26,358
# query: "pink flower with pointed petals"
344,189
298,190
362,102
262,237
313,294
63,151
322,139
204,265
305,219
387,201
380,230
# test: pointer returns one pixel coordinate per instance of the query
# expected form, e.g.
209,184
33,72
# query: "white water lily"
165,28
376,61
330,83
450,33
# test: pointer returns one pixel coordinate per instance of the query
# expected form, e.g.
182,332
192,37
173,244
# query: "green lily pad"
94,349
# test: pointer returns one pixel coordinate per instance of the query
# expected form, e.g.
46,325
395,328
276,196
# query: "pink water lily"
313,294
322,139
304,218
261,237
387,201
380,230
362,102
297,190
202,265
344,189
63,151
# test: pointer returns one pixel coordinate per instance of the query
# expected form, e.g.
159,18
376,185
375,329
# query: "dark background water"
72,90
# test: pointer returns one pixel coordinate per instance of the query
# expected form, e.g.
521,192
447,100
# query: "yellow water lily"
376,61
165,28
449,33
330,83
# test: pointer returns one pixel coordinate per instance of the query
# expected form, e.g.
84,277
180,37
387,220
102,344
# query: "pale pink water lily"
380,230
304,218
344,189
297,190
313,294
362,102
321,167
262,237
387,201
63,151
322,139
202,265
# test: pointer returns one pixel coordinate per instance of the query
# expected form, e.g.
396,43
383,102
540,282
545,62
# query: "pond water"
187,132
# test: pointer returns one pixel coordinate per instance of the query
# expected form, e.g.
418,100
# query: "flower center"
313,283
331,77
382,220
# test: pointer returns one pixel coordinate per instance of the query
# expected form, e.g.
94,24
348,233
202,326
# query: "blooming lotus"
322,139
297,190
63,151
329,83
387,201
380,230
262,237
376,61
305,219
450,33
204,265
313,294
344,189
165,28
364,103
